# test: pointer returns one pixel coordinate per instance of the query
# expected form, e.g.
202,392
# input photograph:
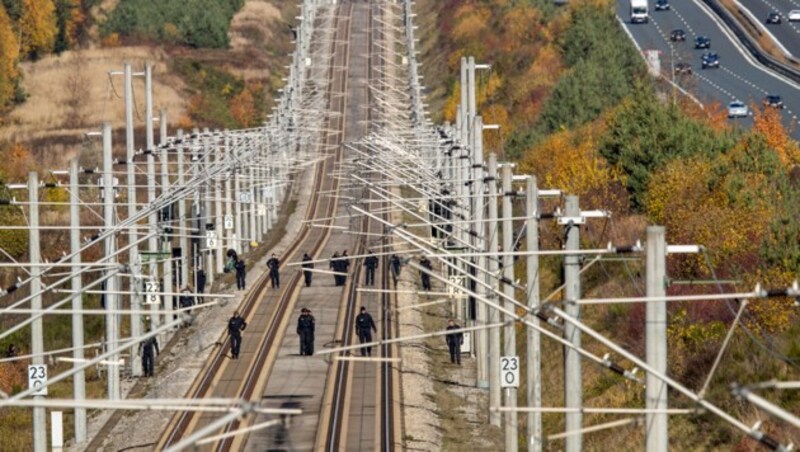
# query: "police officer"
200,276
148,348
236,325
241,273
335,266
305,328
186,299
364,328
345,265
371,263
394,268
12,351
454,341
425,275
274,267
307,266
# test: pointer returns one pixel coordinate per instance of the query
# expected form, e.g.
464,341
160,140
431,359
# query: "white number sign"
211,239
151,289
466,346
228,222
454,289
261,210
37,379
509,371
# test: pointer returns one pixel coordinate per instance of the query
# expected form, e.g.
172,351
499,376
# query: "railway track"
245,381
358,418
268,312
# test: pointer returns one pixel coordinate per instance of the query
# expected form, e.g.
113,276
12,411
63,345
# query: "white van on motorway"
639,12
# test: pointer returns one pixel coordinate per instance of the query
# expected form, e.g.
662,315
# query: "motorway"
739,76
787,33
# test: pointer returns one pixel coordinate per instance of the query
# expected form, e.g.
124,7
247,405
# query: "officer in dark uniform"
186,299
345,265
148,348
394,268
200,276
305,328
364,328
335,266
274,266
426,277
454,341
236,325
371,263
241,273
307,266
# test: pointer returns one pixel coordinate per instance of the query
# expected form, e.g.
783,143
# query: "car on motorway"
683,68
794,15
774,18
662,5
709,60
737,109
677,35
702,42
639,12
774,101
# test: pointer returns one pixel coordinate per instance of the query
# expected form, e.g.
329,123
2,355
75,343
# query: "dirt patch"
72,92
251,25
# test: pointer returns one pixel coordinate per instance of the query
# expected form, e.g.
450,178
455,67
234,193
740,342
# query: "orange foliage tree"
520,26
767,123
72,21
243,108
12,376
568,160
698,203
9,56
472,22
541,74
493,140
17,161
717,116
771,315
38,27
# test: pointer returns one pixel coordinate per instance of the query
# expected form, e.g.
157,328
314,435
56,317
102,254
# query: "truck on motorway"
639,12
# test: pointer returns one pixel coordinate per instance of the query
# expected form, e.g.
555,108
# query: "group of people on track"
339,264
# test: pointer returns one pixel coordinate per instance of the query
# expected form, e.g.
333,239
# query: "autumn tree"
13,8
472,28
245,105
603,68
569,161
17,161
644,134
38,27
724,202
71,20
767,123
494,140
9,56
